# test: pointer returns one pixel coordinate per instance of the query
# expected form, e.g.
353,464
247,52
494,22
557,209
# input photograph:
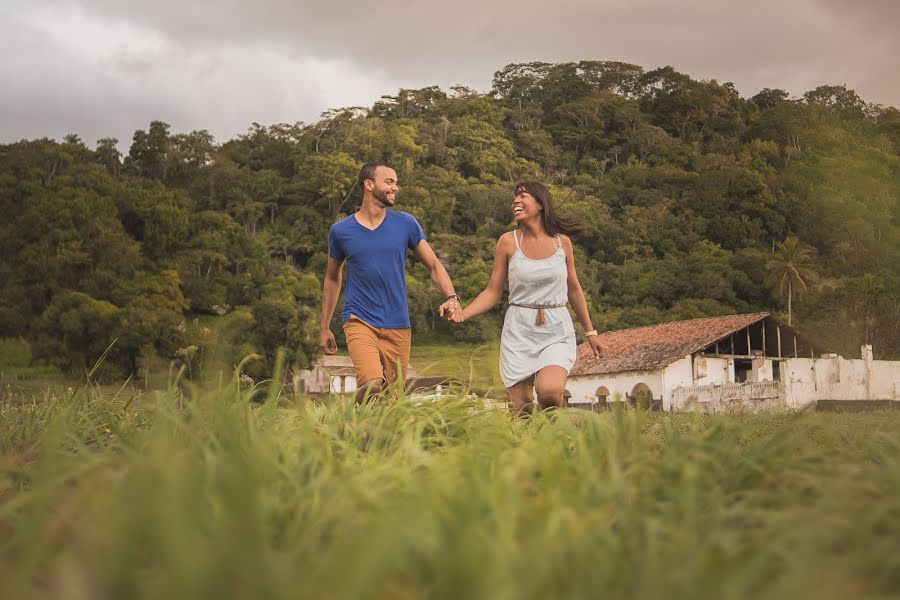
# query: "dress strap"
516,235
559,245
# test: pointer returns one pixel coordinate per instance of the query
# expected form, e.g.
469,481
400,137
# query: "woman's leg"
550,385
521,400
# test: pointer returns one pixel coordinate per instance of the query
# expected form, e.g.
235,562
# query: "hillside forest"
696,201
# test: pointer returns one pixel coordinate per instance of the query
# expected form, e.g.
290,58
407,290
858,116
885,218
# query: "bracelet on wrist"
590,333
453,297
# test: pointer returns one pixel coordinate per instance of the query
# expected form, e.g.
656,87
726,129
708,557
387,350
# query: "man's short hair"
368,172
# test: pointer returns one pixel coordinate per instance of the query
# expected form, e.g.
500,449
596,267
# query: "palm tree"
791,269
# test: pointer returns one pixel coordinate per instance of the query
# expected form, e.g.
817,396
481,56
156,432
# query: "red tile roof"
655,346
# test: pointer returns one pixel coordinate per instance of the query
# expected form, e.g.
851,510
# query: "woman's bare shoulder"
506,239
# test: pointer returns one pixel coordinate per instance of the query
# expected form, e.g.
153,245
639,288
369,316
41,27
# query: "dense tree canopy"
687,190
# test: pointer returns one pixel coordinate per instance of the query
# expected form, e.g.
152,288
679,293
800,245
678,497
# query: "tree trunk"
790,295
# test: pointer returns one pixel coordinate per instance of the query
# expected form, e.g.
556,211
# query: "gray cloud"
223,65
67,70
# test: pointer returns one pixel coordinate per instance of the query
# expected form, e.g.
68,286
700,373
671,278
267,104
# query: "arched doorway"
567,395
641,396
602,397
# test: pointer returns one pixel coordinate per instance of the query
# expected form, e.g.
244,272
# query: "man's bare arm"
331,289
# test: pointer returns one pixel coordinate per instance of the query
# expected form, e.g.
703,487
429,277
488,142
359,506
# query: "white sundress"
525,346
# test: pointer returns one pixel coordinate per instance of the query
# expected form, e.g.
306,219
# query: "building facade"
335,374
735,362
330,374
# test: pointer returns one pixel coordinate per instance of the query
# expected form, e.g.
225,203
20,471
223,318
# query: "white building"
335,374
743,362
330,374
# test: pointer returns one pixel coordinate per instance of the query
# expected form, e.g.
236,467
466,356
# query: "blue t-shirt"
376,267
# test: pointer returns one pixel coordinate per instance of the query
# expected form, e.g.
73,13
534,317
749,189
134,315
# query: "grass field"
477,365
222,491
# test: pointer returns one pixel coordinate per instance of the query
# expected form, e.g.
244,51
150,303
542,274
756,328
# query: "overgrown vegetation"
228,491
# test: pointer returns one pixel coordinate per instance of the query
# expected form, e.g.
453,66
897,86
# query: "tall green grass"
224,491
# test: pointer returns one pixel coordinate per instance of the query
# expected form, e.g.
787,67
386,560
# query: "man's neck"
371,212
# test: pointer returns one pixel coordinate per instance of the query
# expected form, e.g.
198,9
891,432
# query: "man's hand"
452,310
327,341
596,346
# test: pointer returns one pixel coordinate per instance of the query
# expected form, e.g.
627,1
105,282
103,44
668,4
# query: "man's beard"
383,198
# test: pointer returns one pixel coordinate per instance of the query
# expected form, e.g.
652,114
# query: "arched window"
602,396
641,396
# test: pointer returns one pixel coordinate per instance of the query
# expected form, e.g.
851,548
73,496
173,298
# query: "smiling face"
525,206
383,185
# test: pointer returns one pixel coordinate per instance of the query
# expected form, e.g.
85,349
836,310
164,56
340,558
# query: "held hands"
452,310
327,341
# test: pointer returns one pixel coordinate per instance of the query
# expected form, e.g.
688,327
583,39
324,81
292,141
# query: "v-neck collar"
377,227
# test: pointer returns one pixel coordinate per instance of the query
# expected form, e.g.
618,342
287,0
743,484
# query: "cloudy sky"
103,68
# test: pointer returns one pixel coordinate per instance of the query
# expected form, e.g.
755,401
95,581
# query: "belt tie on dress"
539,320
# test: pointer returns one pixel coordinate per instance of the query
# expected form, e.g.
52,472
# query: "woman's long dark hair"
553,223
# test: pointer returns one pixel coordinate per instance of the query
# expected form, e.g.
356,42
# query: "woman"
537,346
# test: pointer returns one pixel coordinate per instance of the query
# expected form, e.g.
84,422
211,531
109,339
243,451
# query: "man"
373,242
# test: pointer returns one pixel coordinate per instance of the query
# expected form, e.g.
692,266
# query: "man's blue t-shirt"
376,267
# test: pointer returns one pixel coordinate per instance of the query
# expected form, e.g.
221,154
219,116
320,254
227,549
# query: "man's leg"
395,346
362,342
370,390
550,385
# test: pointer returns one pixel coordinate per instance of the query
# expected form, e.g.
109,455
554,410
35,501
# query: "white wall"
761,371
584,387
728,397
315,381
680,374
886,380
712,371
348,383
799,378
810,379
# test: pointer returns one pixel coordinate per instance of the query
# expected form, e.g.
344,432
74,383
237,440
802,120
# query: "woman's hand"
596,346
457,316
451,310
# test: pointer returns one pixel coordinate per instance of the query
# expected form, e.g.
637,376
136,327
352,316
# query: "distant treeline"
696,202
